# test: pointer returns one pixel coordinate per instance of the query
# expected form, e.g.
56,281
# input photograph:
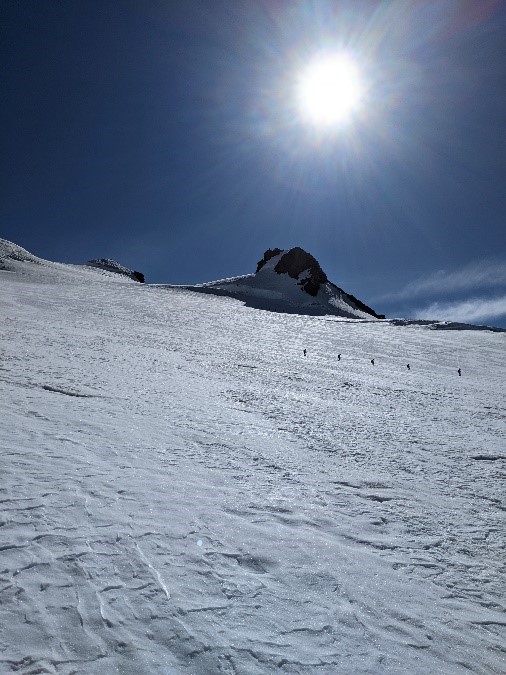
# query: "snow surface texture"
184,492
279,292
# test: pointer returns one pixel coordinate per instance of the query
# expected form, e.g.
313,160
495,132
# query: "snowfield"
183,492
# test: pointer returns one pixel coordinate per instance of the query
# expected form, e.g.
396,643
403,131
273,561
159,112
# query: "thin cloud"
470,278
467,311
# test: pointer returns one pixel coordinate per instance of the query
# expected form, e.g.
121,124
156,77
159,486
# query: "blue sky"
164,134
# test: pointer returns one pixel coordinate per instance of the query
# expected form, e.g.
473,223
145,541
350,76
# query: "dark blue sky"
164,135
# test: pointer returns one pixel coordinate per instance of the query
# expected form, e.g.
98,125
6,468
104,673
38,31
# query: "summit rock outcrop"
296,262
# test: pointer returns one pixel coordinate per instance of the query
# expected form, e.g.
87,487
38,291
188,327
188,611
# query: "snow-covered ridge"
290,281
12,252
284,291
14,258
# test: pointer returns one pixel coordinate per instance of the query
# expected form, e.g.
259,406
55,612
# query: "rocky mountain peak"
270,253
298,264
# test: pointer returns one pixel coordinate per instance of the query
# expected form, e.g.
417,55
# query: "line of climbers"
459,370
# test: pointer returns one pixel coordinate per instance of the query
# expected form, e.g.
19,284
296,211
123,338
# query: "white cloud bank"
486,274
466,311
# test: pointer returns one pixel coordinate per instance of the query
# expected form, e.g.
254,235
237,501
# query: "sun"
330,90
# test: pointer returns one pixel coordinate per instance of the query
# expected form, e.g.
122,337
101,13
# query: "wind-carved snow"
183,491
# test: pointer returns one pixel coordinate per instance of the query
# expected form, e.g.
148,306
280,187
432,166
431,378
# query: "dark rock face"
295,262
270,253
139,276
303,267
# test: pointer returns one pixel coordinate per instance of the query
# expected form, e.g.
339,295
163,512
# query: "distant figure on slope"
339,357
372,361
305,352
408,367
459,372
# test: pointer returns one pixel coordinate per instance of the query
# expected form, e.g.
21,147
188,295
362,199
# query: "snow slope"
184,492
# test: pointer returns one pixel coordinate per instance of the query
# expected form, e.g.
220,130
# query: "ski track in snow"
184,492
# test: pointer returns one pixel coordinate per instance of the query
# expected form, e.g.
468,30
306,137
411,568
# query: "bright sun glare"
330,90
